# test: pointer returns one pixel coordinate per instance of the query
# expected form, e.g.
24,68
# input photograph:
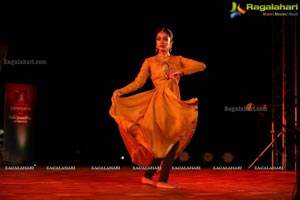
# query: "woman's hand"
115,95
175,75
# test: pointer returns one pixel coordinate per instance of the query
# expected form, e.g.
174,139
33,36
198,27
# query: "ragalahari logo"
236,10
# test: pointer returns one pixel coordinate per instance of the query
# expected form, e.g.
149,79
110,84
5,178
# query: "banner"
19,111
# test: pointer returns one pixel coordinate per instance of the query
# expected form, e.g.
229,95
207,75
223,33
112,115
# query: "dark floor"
124,183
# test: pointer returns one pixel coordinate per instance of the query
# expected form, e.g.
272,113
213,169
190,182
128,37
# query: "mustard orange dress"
151,122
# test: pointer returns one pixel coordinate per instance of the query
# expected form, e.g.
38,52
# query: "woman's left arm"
190,66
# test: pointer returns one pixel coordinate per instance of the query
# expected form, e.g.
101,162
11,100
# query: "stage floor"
94,183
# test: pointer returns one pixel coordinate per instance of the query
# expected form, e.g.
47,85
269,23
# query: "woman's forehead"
162,34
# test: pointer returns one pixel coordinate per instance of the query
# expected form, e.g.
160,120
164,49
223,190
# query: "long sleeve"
139,81
191,66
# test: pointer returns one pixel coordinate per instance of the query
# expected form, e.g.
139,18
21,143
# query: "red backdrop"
20,100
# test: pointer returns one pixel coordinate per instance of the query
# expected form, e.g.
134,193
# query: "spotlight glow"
228,157
184,156
207,157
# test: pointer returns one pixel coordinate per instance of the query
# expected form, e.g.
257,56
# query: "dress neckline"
163,58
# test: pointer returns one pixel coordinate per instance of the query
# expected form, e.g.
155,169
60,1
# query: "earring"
170,50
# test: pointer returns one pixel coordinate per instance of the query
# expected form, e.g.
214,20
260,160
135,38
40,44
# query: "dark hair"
167,31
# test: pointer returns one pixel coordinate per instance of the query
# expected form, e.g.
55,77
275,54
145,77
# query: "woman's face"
163,41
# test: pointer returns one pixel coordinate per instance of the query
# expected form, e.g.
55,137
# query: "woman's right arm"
138,82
